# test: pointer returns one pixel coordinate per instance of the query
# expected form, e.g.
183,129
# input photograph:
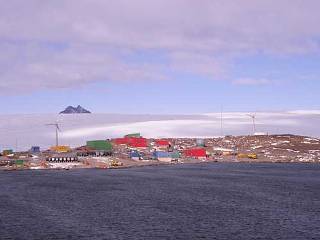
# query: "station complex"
135,150
131,147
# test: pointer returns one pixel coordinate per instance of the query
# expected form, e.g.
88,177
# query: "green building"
100,147
175,155
19,162
133,135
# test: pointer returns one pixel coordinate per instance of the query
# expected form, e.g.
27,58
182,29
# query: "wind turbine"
253,117
56,125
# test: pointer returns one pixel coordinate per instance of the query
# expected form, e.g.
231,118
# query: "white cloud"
74,66
251,81
281,25
305,112
198,37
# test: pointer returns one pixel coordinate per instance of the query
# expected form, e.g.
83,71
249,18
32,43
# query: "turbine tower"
253,117
56,125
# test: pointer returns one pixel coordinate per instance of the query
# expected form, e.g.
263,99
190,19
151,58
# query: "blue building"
161,154
35,149
135,155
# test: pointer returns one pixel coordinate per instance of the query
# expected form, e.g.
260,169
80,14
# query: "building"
85,151
260,134
200,142
19,163
162,144
6,162
162,156
121,141
61,158
199,153
100,147
133,135
7,152
35,149
135,155
138,142
175,155
133,141
60,149
224,151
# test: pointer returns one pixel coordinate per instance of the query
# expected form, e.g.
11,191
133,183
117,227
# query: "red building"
135,142
162,143
138,142
195,153
119,141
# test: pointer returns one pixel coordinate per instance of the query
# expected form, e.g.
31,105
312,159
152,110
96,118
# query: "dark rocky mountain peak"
71,109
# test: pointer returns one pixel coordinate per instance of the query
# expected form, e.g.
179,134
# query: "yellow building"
60,149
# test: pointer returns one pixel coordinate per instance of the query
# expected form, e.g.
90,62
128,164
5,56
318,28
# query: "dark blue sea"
200,201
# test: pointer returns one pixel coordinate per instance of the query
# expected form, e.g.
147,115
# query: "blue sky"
150,58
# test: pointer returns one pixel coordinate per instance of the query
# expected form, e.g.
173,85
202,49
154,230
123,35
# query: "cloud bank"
26,130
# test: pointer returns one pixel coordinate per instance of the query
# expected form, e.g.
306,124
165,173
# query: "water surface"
201,201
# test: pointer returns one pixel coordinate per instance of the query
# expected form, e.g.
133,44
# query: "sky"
160,56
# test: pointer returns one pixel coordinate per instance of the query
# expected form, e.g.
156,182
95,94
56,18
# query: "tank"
200,142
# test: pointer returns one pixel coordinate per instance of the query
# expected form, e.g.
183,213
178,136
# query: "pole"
57,141
16,144
221,125
254,124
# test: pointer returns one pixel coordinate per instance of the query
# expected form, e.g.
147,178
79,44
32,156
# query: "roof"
60,148
195,152
138,142
100,145
161,154
85,149
136,135
135,154
162,142
120,141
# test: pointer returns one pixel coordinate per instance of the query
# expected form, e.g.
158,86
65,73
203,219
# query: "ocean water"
200,201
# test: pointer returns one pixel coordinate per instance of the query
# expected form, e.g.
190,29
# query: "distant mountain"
71,110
